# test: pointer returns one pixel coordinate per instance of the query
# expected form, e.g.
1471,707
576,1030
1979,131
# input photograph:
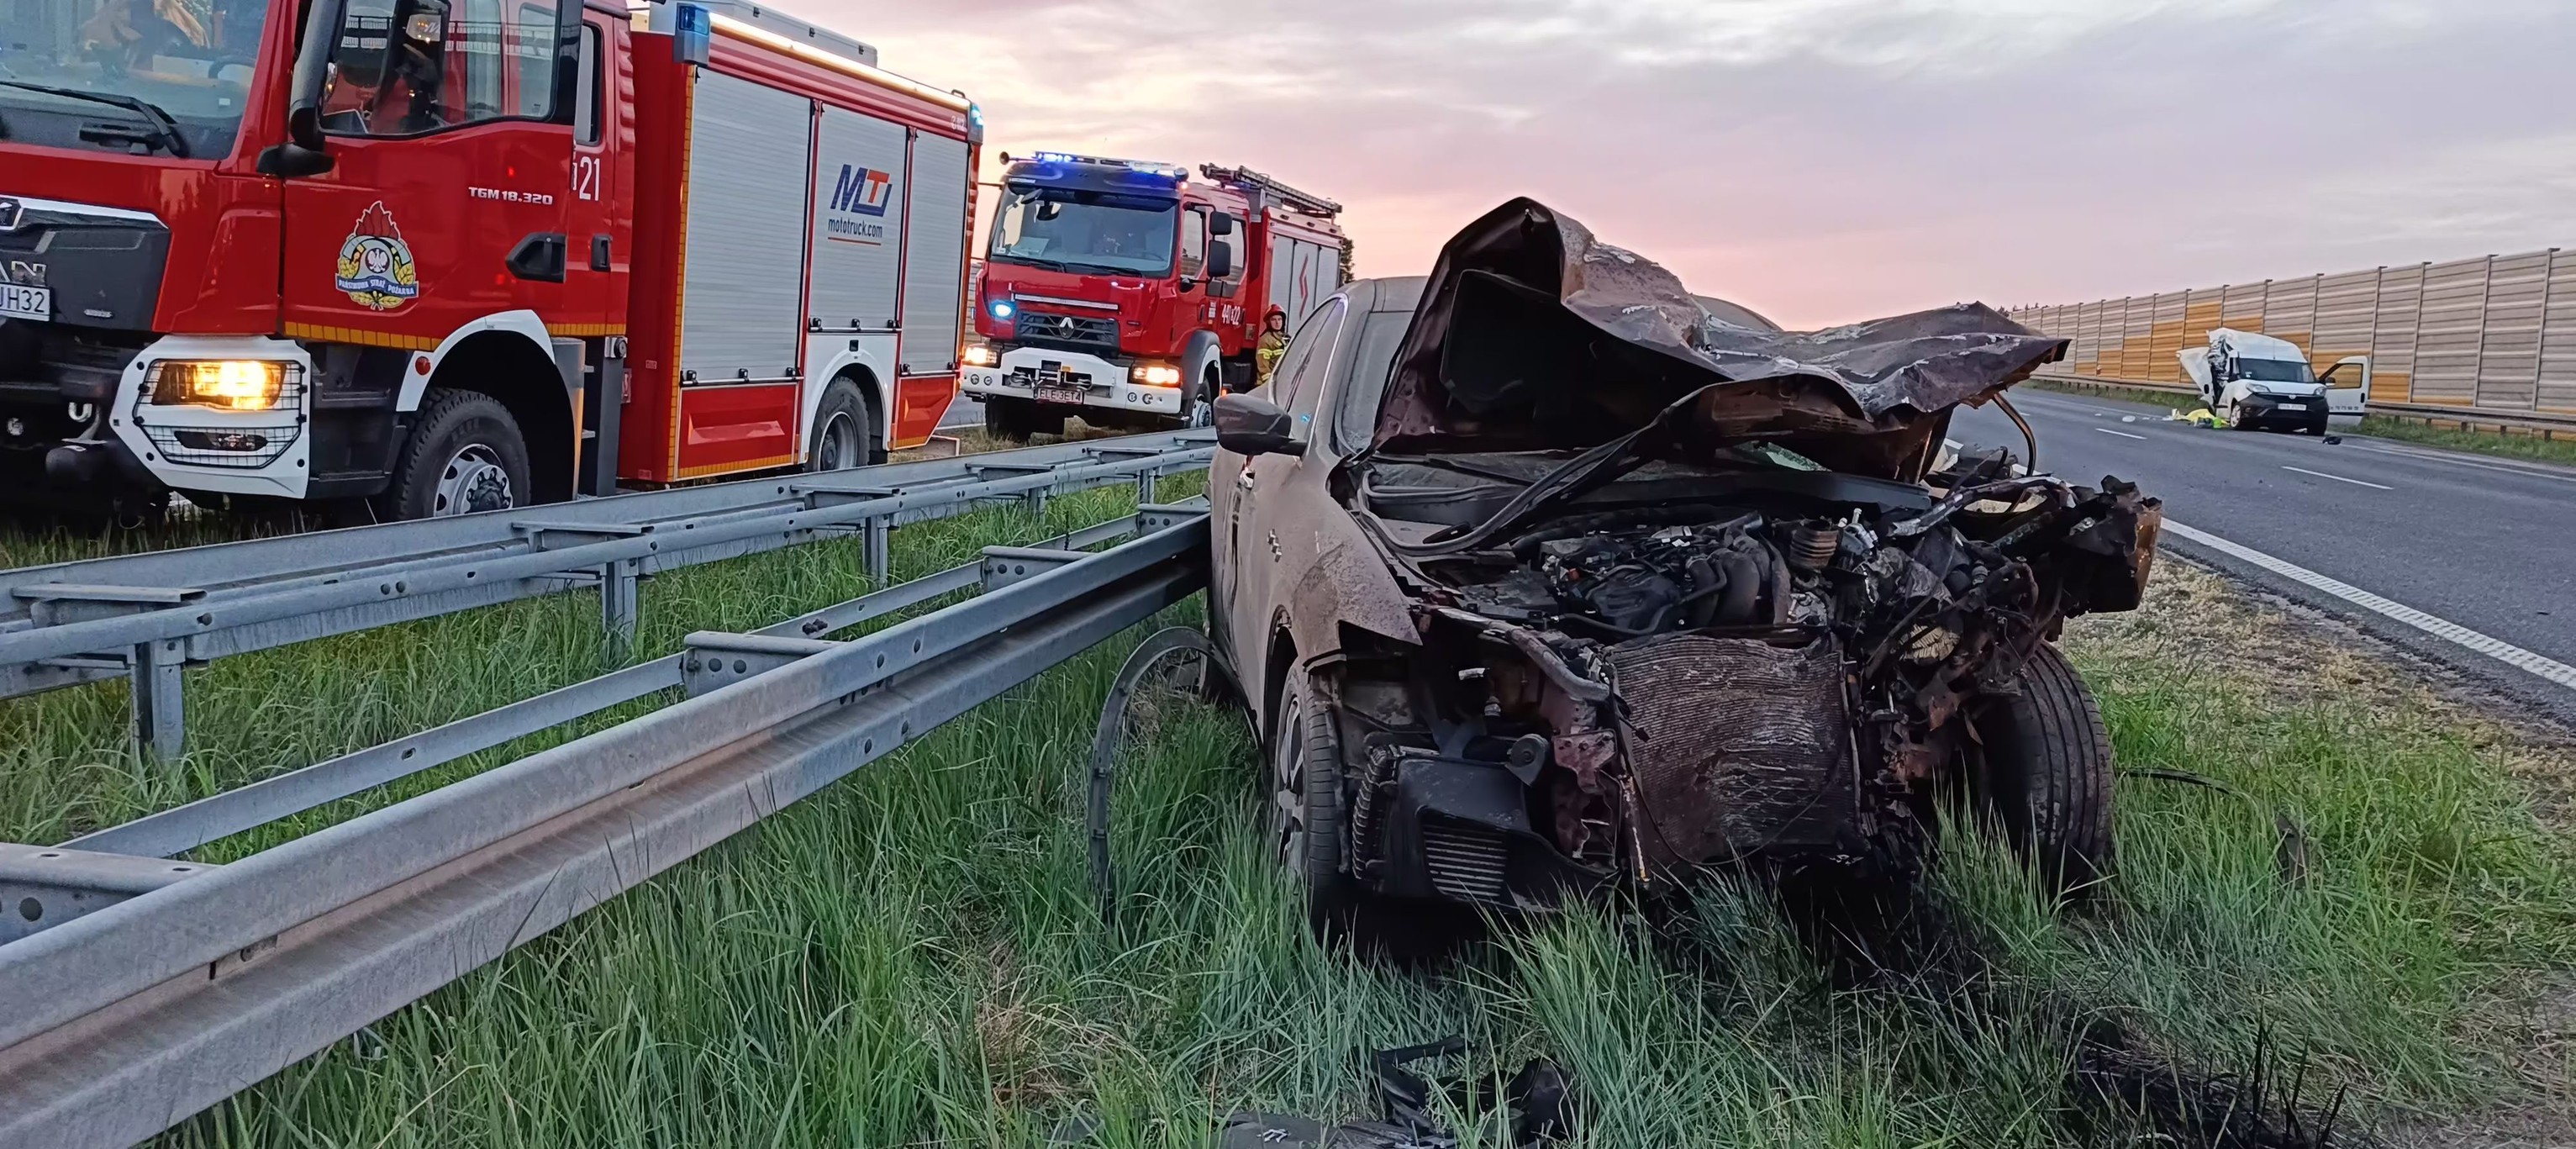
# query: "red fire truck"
455,255
1129,294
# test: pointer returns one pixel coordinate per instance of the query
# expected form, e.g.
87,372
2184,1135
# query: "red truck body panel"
442,213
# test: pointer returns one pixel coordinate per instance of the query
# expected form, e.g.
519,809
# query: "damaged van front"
1681,590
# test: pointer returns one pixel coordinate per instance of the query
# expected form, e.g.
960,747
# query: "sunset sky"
1825,160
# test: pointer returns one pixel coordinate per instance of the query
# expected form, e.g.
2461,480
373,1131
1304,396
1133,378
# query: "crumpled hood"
1531,334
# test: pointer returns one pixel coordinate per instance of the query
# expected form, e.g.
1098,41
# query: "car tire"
846,431
1306,808
2046,777
464,454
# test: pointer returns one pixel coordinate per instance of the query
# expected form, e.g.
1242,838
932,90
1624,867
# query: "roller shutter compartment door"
934,256
858,222
745,248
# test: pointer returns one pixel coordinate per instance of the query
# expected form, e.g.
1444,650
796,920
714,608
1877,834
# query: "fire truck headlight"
1155,374
1002,309
226,384
978,355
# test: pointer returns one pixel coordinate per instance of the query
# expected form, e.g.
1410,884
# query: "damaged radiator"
1735,744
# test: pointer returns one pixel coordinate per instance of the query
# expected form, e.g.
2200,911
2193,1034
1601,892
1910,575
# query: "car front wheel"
1306,828
2046,776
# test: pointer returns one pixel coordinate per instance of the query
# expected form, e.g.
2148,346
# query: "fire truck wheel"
1201,409
464,454
846,433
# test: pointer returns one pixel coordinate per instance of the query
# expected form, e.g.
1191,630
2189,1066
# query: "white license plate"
1059,394
19,302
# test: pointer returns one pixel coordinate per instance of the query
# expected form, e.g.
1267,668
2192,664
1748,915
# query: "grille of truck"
1073,332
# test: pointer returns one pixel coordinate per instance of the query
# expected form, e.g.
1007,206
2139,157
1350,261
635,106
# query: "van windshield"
2274,370
1085,231
166,77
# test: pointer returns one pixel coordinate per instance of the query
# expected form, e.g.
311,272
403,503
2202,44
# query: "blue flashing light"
1002,309
692,34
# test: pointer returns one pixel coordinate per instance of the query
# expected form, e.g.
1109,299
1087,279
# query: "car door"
1254,541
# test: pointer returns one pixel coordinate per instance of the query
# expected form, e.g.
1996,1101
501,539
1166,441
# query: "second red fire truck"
1129,294
438,256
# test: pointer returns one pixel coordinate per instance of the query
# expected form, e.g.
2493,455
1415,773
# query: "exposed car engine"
1701,681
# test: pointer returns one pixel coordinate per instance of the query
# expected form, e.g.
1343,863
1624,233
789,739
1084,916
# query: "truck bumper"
73,448
2260,411
1069,379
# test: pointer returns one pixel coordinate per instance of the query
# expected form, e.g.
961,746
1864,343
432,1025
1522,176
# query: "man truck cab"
2256,381
1132,295
442,256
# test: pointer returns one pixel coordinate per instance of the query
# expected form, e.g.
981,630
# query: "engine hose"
1176,645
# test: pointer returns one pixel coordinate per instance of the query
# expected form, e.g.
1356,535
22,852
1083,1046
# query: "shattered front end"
1692,594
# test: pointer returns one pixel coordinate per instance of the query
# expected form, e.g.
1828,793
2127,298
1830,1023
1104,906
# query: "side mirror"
1252,425
1220,261
1221,224
304,89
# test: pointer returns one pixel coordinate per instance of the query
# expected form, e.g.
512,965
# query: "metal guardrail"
2544,423
147,616
161,988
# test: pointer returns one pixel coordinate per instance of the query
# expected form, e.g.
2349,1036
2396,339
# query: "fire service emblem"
375,264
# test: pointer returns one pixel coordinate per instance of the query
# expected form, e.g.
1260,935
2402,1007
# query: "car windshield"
1085,231
2274,370
1355,418
145,76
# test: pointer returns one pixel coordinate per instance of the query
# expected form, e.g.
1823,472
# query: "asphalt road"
963,411
2485,543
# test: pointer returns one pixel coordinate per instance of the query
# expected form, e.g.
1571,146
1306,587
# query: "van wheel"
846,431
2046,778
464,454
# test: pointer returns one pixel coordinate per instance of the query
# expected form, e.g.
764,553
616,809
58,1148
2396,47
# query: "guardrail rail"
148,616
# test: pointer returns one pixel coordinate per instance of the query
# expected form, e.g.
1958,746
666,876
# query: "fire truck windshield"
166,77
1085,231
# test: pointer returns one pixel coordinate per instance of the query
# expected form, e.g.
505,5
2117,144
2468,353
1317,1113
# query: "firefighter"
1273,345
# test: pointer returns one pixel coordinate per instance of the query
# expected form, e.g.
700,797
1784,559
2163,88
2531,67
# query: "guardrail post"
617,604
160,710
1146,480
880,543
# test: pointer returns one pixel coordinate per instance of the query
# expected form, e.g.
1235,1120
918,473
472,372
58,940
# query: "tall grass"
911,958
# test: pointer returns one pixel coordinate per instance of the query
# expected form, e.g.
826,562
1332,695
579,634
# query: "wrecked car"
1542,575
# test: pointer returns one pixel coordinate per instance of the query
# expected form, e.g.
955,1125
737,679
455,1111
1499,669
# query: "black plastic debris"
1537,1099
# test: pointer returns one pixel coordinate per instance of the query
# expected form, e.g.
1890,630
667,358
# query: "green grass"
911,958
2560,450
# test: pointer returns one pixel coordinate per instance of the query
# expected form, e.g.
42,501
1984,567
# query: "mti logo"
862,190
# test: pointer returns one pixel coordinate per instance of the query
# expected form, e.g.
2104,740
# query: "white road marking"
2122,434
2337,478
2495,648
2436,457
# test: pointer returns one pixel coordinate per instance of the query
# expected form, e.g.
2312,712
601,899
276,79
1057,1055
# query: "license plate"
19,302
1058,393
